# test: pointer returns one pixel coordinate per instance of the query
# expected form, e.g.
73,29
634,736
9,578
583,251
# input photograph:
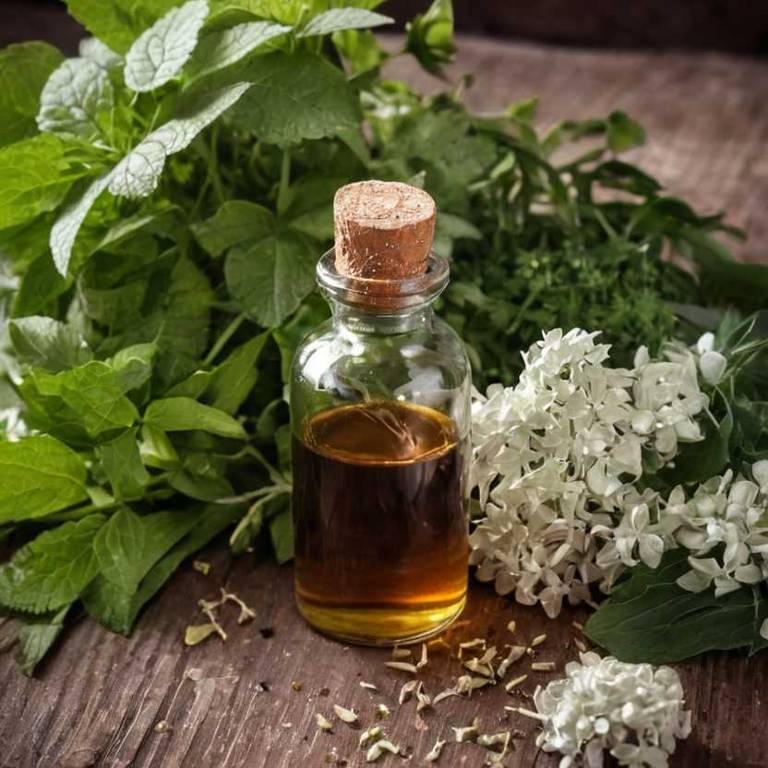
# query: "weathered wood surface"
99,698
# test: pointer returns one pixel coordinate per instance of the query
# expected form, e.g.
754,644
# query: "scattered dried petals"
434,754
196,633
382,711
543,666
538,640
407,691
515,654
323,722
347,715
369,735
512,684
367,686
401,653
423,661
201,566
465,734
402,666
512,626
379,748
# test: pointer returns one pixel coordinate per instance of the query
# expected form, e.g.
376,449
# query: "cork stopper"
383,229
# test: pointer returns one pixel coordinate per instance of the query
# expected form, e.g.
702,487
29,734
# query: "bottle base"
380,627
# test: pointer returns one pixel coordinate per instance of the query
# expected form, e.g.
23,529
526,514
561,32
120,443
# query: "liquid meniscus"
380,521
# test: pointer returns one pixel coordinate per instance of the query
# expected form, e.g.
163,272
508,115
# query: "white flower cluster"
555,458
11,425
633,710
725,527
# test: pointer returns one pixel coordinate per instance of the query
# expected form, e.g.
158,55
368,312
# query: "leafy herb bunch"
163,200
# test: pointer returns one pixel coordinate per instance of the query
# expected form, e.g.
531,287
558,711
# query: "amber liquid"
381,528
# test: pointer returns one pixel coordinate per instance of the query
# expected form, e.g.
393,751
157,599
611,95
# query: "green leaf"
34,178
117,609
79,405
338,19
232,381
234,223
36,636
38,475
53,569
134,365
182,413
160,52
360,49
201,487
294,97
122,463
226,47
40,284
281,533
118,22
92,48
24,69
42,342
270,278
157,450
429,37
649,618
74,98
623,132
138,173
128,545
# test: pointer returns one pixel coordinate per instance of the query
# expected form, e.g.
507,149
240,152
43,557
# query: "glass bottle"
380,397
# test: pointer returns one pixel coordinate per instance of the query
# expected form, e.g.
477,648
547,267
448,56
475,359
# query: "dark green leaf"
81,405
36,636
236,222
623,132
649,618
200,487
128,546
42,342
122,463
40,284
134,365
430,36
182,413
24,69
294,97
38,475
53,569
118,609
271,277
232,381
281,533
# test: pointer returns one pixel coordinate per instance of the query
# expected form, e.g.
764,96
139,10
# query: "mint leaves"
39,475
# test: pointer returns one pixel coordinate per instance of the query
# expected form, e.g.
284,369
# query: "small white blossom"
635,711
556,458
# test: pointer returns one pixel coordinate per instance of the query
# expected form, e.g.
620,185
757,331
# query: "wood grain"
99,698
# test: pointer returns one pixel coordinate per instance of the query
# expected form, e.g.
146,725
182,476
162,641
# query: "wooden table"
148,701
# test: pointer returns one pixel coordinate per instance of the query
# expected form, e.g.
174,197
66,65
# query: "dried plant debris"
422,662
368,686
402,666
422,700
434,754
369,735
323,723
467,733
382,711
538,640
469,645
379,748
196,633
512,684
201,566
346,715
512,626
543,666
401,653
516,652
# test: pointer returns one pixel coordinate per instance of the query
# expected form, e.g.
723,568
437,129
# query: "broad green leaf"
281,533
73,99
175,414
200,487
235,222
193,386
160,52
129,545
138,173
34,178
79,405
429,37
232,381
118,23
310,205
38,475
53,569
134,365
40,284
360,49
122,464
42,342
294,97
118,609
338,19
649,618
24,69
623,133
64,231
270,278
157,450
226,47
36,636
92,48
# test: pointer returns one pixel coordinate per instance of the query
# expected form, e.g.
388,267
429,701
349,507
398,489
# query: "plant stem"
223,339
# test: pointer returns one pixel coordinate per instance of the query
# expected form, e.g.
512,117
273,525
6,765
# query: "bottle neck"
358,320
